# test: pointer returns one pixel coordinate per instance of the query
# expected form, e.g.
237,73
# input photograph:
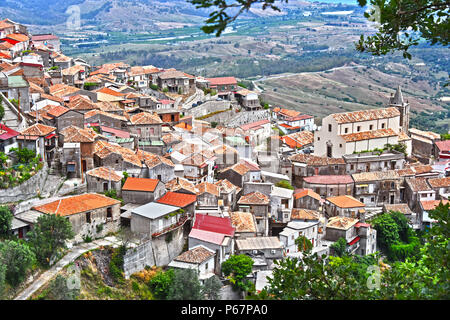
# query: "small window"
358,128
318,138
329,128
372,199
340,145
88,217
361,200
109,213
336,167
206,266
346,130
371,127
382,125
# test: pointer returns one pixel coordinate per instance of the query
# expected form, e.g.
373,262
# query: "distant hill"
107,15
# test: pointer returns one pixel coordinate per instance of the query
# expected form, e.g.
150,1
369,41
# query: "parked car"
199,102
194,105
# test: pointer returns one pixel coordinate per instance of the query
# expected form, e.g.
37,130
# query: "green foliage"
18,259
214,124
48,237
87,238
88,85
445,136
99,228
165,90
387,231
211,288
6,218
160,284
185,285
125,176
59,290
2,280
116,263
54,68
211,114
24,155
339,247
284,184
237,267
406,23
303,244
154,87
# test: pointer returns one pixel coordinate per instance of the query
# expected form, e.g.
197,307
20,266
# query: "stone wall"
244,117
155,252
28,189
208,107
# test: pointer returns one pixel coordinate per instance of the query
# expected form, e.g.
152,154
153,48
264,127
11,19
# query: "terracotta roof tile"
178,183
300,193
104,173
345,202
222,81
254,198
329,179
38,129
341,222
145,118
418,184
206,187
367,135
77,135
243,221
77,204
177,199
140,184
304,214
195,255
439,182
366,115
375,176
432,204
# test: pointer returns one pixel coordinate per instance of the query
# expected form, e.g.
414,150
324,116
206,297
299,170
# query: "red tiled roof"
254,125
354,241
177,199
208,236
222,81
331,179
432,204
213,224
300,193
443,145
140,184
345,202
116,132
77,204
104,173
7,133
43,37
111,92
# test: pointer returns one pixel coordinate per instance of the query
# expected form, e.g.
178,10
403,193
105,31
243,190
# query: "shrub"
116,263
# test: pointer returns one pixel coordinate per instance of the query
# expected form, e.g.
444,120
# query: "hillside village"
200,169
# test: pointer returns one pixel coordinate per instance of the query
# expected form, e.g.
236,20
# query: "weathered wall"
153,252
27,189
244,117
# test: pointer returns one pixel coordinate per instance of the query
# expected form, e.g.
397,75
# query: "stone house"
441,186
416,190
102,179
241,172
157,167
86,138
215,233
146,126
244,224
344,206
228,194
257,132
330,186
423,144
181,185
295,229
307,198
374,161
249,100
74,75
106,119
198,258
258,204
40,138
142,190
16,87
281,203
269,247
90,214
343,227
49,40
442,150
60,117
175,81
154,219
184,201
226,156
224,86
199,167
207,196
306,165
426,221
119,158
377,188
